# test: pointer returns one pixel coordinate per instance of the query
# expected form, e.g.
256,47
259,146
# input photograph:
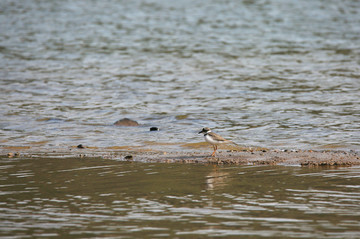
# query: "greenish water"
83,198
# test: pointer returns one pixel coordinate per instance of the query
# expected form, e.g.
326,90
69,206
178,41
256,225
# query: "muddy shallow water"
94,197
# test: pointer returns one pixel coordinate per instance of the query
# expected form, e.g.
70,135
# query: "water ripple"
81,197
284,73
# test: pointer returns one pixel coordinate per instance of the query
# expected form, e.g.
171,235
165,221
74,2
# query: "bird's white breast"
210,140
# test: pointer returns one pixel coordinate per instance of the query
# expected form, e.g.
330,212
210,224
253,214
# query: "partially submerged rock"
128,157
126,122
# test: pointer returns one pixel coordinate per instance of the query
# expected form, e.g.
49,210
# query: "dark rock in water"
126,122
154,129
128,157
80,146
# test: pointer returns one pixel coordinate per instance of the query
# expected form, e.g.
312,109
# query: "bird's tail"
231,142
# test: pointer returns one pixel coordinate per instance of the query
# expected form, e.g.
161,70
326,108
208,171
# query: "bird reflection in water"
216,179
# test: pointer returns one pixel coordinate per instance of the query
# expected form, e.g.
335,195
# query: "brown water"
268,73
83,198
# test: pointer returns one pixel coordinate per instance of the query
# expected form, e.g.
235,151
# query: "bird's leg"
215,148
213,154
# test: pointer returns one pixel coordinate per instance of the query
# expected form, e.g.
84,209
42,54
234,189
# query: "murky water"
269,73
77,198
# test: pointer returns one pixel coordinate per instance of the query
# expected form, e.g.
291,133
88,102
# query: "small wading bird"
213,139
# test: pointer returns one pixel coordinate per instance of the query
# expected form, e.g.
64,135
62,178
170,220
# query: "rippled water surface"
270,73
83,198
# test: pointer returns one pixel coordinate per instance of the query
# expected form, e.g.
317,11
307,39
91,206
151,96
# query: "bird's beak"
202,131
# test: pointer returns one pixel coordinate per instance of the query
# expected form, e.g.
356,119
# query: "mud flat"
303,158
257,156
